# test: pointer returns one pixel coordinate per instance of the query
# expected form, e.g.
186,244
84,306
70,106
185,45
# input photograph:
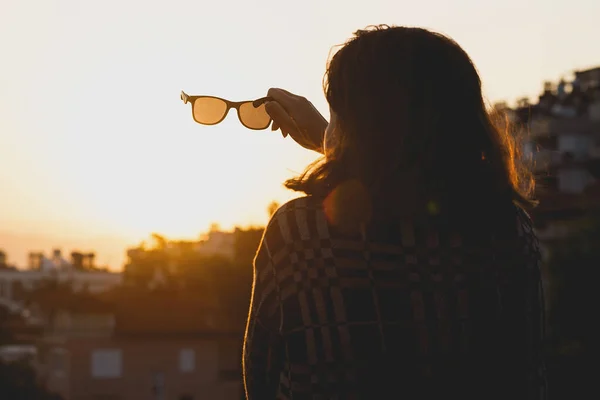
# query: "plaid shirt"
420,313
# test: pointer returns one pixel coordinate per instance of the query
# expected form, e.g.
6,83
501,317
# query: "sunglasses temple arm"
261,101
186,98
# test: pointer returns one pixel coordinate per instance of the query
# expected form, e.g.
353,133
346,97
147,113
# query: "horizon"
70,244
97,149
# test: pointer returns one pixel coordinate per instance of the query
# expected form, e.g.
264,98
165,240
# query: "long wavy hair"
413,132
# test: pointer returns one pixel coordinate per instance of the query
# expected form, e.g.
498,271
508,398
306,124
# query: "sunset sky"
97,150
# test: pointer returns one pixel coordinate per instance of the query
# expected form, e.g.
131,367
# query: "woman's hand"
296,116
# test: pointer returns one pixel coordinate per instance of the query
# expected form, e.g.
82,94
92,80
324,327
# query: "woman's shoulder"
298,210
298,219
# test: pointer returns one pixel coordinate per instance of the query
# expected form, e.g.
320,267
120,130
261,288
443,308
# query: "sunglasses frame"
230,104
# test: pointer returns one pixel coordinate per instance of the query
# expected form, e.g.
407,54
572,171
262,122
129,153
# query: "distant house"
79,273
148,346
18,352
17,328
3,262
217,243
564,144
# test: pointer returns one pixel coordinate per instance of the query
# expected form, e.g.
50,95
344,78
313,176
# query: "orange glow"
95,142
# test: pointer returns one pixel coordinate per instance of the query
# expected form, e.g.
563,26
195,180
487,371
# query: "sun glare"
95,140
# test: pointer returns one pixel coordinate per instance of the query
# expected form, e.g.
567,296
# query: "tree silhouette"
159,241
272,208
218,279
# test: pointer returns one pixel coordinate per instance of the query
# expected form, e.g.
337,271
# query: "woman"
409,269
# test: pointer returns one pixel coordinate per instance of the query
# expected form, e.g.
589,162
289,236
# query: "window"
187,360
107,363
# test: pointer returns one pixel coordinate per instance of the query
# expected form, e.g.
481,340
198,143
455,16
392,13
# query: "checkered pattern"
415,311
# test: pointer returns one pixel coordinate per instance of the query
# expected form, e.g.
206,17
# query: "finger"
283,97
288,101
279,93
279,115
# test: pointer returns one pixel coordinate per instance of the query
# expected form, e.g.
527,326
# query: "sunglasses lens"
254,117
209,110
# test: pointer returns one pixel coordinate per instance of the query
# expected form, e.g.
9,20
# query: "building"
93,281
562,141
3,262
80,273
167,347
18,329
564,145
18,352
217,243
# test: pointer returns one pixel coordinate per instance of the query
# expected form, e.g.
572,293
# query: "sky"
97,150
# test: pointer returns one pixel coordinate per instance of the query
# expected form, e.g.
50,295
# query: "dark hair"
413,130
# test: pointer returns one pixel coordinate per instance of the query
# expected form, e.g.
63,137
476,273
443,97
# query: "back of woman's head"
412,127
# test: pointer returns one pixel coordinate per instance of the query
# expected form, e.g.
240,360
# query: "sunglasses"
210,110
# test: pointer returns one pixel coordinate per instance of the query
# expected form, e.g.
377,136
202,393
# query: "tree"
159,241
51,295
272,208
220,280
145,264
203,273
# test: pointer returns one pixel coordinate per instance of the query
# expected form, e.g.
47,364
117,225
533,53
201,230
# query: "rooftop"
567,101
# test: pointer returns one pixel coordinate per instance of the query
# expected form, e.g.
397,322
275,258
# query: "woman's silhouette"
410,268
